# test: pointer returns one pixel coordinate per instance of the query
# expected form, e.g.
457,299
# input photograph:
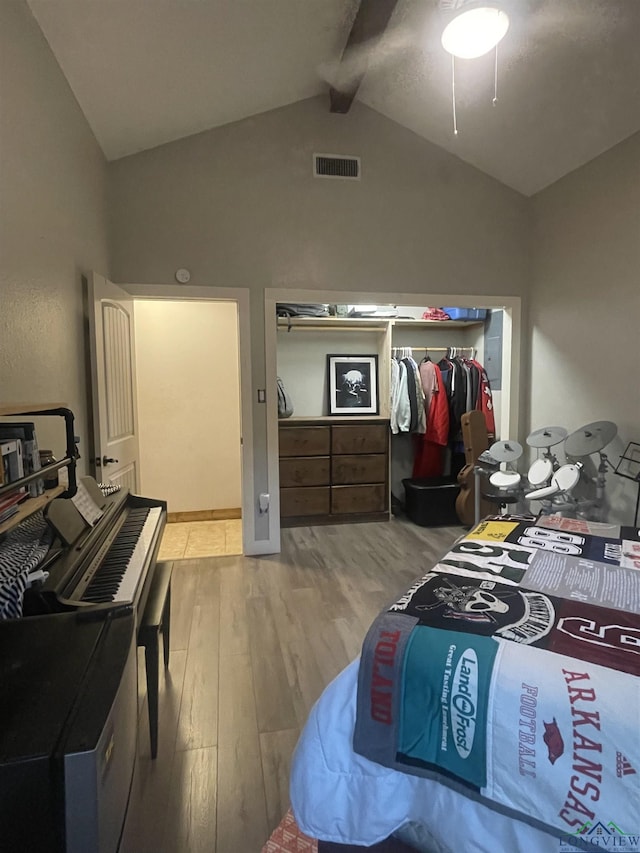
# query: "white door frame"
241,296
512,306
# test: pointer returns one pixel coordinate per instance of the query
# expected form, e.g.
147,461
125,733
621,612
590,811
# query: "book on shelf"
9,505
11,451
11,499
26,434
6,514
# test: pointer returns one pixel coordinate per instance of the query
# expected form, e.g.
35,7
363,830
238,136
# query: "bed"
496,704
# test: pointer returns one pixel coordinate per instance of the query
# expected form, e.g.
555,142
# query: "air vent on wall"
336,166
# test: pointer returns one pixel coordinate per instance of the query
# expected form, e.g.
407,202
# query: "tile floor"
185,539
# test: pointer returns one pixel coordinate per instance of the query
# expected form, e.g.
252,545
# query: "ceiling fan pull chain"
453,94
495,80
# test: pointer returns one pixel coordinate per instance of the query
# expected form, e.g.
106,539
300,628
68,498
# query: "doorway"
188,402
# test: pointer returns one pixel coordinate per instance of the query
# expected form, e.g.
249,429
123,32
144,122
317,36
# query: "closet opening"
478,340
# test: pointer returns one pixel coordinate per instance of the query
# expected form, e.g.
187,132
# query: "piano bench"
155,619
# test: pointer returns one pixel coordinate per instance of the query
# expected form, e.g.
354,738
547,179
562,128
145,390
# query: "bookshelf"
13,409
29,506
33,504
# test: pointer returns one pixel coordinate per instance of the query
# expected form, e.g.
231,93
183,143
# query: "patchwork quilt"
511,672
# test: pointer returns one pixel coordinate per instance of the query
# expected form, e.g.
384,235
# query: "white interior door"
115,422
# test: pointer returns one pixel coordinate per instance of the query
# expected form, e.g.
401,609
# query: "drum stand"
561,504
601,479
556,498
629,467
593,438
543,468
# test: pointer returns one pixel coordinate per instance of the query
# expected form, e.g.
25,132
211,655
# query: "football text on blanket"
511,673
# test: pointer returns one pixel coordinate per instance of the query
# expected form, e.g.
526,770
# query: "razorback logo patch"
553,740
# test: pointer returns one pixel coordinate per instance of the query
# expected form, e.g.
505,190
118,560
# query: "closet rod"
434,349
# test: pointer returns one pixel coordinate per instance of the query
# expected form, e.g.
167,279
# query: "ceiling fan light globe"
475,32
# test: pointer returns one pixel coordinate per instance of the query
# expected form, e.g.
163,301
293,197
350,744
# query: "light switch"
262,395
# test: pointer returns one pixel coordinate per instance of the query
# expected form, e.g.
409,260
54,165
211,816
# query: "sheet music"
86,505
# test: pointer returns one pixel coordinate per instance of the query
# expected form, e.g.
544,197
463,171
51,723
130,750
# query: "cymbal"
547,436
590,438
506,451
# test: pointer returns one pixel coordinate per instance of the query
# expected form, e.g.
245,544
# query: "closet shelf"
366,323
433,324
371,323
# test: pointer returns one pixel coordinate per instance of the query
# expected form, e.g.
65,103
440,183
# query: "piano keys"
109,563
118,575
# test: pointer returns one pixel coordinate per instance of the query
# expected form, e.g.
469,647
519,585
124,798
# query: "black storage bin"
431,501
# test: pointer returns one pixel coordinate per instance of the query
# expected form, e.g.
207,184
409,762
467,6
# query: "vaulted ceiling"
146,72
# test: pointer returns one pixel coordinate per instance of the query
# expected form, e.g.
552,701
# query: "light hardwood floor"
254,641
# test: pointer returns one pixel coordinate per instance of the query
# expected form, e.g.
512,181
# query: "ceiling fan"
470,29
466,29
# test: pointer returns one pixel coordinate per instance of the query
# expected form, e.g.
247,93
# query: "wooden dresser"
333,470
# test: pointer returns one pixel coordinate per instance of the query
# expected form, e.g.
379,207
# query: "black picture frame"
352,381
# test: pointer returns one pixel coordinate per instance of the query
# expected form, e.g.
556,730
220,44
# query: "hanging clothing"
475,381
454,381
485,404
446,371
429,400
427,370
421,426
470,401
403,409
406,396
429,448
411,391
393,393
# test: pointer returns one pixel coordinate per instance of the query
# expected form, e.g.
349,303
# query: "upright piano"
68,680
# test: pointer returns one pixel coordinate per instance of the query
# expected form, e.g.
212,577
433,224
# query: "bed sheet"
338,795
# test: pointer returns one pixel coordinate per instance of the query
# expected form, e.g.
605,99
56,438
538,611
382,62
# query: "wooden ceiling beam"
370,23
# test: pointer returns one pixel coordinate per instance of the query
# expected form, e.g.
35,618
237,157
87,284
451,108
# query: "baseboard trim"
206,514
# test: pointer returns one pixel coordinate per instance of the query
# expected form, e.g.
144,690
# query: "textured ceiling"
149,71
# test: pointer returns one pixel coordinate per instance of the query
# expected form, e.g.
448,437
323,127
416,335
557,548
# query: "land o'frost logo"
464,701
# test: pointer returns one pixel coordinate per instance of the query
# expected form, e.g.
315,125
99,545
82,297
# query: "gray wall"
53,224
585,304
239,207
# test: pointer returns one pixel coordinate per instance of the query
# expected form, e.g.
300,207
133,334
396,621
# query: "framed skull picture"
353,384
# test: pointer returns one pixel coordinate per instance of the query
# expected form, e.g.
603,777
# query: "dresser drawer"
312,500
359,468
305,441
355,499
305,471
359,438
